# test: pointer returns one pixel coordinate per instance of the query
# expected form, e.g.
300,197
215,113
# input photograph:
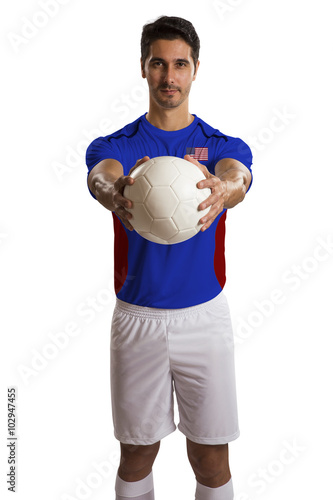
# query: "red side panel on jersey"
120,254
219,256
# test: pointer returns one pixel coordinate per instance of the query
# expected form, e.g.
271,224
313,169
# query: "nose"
169,75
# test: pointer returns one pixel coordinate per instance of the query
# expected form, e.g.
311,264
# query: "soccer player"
171,330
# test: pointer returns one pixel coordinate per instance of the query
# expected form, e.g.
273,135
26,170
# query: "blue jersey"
168,276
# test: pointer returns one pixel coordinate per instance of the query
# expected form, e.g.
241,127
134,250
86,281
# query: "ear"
196,70
143,74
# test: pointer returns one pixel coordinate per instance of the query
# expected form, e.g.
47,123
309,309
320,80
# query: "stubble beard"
170,102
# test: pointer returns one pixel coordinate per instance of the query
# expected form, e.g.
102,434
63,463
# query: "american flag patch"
198,153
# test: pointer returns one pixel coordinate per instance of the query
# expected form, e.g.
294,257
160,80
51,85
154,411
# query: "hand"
215,200
119,201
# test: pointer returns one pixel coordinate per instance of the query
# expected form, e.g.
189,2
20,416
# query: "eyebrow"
154,59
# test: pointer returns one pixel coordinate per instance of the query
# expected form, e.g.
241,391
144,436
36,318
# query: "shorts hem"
144,441
203,440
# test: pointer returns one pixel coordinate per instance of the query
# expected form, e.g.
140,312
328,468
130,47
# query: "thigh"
141,382
204,374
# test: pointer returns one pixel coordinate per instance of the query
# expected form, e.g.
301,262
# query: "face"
169,69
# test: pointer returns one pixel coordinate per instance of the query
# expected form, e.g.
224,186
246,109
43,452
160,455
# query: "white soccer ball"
165,199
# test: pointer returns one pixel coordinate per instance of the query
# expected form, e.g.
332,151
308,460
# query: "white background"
73,74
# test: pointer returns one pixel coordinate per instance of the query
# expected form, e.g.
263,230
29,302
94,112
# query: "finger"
214,211
207,222
119,187
211,200
121,201
144,159
206,184
127,224
124,217
195,162
123,181
122,212
192,160
209,182
208,217
206,226
138,163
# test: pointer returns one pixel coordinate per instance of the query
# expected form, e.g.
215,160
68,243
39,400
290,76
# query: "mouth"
169,92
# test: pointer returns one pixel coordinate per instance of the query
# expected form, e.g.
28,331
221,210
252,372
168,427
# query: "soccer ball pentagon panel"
165,199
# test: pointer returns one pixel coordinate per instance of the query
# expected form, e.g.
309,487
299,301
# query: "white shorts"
156,352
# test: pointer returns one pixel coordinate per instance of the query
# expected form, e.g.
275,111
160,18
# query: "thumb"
138,163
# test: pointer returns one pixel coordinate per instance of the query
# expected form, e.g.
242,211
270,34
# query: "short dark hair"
169,28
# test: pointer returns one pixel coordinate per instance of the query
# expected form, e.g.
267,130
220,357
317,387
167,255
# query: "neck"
169,119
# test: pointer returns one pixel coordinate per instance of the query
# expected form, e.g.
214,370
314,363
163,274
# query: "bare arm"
237,179
107,181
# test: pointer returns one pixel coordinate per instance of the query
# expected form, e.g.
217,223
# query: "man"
171,329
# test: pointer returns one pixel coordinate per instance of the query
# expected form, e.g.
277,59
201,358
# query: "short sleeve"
238,150
100,149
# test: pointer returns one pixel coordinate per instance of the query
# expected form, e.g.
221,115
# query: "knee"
210,463
136,460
